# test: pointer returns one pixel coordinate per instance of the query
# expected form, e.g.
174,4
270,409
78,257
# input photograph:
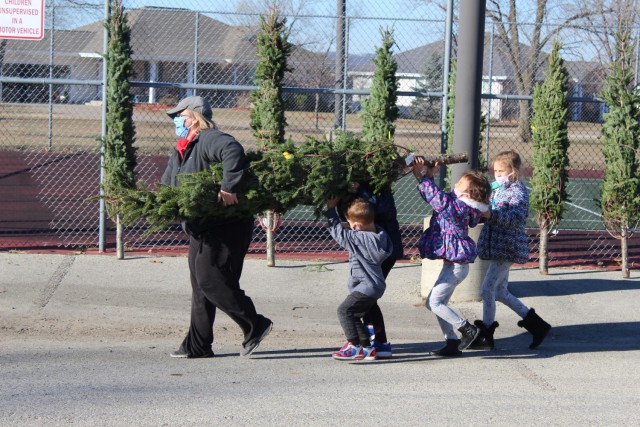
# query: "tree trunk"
269,225
543,250
524,127
119,238
624,248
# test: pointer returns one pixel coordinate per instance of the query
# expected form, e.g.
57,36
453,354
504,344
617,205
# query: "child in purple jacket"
447,238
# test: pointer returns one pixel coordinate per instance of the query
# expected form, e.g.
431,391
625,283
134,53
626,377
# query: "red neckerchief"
182,145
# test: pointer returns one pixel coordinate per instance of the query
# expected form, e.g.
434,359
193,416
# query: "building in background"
169,46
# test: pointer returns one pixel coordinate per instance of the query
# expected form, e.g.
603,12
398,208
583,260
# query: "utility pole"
466,124
341,13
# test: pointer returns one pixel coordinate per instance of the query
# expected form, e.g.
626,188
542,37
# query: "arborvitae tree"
119,153
550,145
379,110
428,109
267,115
380,113
620,199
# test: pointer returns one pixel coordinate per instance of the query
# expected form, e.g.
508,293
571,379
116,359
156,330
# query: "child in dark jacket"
368,246
447,238
386,217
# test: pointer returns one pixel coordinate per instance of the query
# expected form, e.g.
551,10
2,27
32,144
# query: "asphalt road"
84,340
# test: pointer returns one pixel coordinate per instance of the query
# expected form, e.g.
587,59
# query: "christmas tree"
620,199
273,48
379,115
550,144
119,153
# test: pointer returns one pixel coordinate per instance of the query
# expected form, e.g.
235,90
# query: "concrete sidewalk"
85,341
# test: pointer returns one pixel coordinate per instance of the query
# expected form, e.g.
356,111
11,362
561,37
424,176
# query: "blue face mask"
181,130
500,181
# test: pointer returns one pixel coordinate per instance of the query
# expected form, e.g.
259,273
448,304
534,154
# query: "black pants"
374,316
215,263
350,313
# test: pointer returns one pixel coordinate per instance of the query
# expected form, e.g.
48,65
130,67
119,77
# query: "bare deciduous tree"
609,18
516,33
524,29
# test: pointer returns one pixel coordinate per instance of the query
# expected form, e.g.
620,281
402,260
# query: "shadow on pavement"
571,339
570,287
590,338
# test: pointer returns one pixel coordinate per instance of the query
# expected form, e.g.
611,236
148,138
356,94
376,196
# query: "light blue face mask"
500,181
181,130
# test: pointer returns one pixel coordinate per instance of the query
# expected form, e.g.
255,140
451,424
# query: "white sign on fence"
22,19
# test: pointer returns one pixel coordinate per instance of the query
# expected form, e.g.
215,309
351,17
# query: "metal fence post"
195,52
488,124
103,133
340,42
635,79
51,49
345,74
446,69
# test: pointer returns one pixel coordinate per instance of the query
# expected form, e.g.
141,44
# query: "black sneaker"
253,343
182,354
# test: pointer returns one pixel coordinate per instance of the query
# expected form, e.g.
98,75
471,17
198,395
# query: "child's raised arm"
421,168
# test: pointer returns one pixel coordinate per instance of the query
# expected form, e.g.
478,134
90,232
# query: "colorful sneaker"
349,352
383,350
370,353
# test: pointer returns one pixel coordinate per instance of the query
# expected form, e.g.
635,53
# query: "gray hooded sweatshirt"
367,250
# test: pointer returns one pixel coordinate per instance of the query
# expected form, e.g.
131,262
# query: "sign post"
22,19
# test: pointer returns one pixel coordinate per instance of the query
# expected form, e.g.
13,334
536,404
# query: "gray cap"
193,103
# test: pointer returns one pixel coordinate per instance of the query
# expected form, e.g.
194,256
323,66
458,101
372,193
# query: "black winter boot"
536,327
485,337
469,334
450,349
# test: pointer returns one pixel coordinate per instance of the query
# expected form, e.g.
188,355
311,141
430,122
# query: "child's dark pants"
350,314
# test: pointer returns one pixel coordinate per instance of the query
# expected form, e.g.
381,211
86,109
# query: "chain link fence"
51,112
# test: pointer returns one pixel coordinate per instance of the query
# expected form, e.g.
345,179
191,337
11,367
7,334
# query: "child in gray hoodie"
368,247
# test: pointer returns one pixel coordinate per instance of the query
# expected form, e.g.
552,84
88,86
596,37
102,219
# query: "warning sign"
22,19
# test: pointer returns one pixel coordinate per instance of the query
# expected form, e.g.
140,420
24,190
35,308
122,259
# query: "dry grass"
78,128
